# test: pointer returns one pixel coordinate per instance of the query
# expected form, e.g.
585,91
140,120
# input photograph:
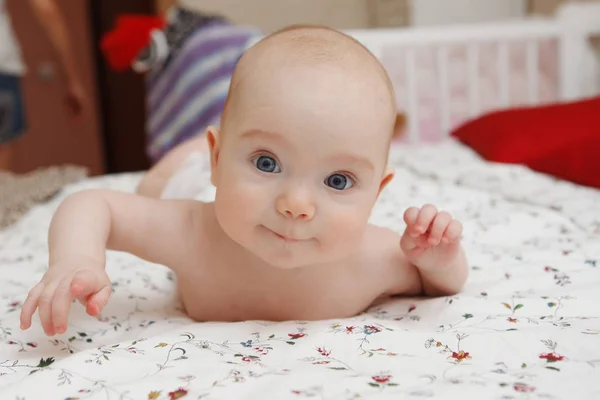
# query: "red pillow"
562,140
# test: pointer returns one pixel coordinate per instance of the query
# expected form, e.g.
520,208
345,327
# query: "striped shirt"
187,92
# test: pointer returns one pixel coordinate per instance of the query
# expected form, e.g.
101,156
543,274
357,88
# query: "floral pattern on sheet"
526,326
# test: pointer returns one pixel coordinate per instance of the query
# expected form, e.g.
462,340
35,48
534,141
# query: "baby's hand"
57,290
431,239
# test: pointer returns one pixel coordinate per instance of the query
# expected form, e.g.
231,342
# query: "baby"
298,164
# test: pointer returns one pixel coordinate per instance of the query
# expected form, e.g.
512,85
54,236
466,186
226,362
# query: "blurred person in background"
12,70
188,57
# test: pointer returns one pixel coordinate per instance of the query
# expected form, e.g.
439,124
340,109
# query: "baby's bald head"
319,55
306,134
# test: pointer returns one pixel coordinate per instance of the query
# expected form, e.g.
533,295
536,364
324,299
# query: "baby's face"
299,168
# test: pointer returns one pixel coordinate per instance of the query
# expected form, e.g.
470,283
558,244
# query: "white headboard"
574,71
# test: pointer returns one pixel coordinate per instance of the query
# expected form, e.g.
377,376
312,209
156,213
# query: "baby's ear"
214,146
388,175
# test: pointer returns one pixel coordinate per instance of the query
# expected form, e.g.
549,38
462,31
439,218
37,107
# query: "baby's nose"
296,205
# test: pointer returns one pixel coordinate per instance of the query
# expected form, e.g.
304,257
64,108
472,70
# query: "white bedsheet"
526,325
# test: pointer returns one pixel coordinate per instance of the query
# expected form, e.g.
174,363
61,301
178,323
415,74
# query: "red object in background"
562,140
130,36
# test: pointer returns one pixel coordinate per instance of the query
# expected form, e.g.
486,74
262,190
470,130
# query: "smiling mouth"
287,239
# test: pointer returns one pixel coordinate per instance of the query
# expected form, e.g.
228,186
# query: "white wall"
436,12
275,14
344,14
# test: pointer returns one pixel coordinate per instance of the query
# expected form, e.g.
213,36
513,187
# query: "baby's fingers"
92,289
84,284
410,215
453,232
45,308
61,304
410,218
438,227
425,217
96,302
30,305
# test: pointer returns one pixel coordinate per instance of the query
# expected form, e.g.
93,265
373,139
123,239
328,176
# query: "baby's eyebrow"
352,159
263,134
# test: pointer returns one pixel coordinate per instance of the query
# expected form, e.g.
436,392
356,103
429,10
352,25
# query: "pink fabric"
458,80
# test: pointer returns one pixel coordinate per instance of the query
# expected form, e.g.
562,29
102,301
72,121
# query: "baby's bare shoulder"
384,259
160,231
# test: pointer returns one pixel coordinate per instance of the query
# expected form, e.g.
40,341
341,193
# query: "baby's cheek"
346,225
239,203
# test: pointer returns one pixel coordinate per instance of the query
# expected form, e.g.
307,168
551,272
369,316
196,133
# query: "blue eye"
267,164
339,182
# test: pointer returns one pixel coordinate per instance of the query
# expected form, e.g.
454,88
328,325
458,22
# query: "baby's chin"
280,253
274,254
297,258
285,261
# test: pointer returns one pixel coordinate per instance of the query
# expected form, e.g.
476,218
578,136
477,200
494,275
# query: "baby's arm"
445,279
88,223
430,259
431,242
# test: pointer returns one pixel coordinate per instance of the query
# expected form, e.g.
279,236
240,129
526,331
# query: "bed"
526,326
